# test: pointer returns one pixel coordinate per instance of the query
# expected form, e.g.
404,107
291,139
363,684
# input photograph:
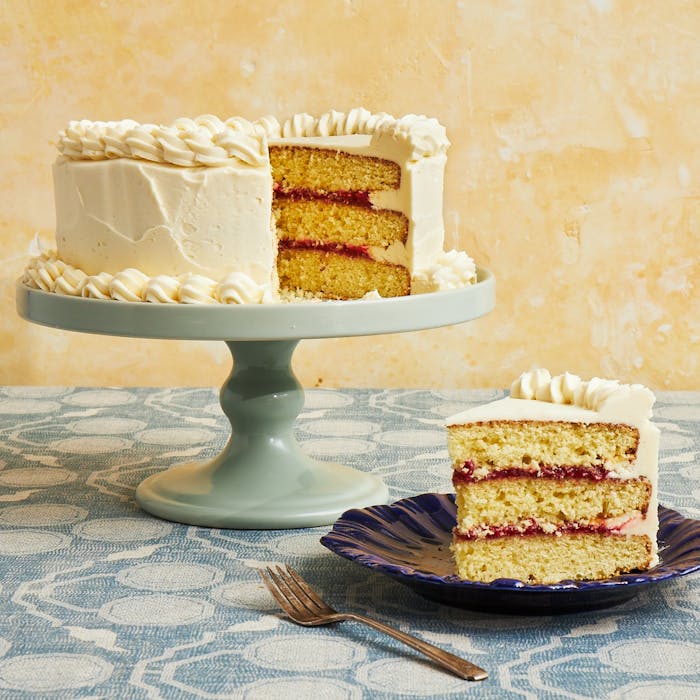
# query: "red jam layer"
530,528
351,251
465,475
358,198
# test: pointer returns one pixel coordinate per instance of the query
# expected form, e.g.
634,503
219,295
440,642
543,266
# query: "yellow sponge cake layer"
335,275
549,558
502,444
326,170
552,501
329,221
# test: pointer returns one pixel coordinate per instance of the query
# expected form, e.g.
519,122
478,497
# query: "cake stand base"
262,479
318,495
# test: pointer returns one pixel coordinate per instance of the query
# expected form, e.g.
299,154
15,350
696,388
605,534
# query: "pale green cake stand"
262,478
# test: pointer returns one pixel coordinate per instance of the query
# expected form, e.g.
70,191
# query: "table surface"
100,600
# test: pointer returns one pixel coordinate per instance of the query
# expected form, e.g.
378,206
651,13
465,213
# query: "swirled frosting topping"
568,388
425,135
205,140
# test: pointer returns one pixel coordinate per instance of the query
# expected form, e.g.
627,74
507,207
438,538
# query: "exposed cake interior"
563,486
332,241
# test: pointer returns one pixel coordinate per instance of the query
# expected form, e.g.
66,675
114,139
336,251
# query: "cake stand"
262,479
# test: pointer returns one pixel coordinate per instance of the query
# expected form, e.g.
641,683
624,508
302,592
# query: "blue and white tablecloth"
100,600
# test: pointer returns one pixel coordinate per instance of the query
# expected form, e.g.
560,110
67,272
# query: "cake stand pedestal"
262,479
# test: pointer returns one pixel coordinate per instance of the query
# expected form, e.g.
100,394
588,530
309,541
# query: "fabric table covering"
101,600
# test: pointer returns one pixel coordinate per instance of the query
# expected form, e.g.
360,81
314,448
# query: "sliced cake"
205,210
557,481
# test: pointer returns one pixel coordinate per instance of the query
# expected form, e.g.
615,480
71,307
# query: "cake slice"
557,481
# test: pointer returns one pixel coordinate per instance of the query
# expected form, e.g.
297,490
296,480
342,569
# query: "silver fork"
304,607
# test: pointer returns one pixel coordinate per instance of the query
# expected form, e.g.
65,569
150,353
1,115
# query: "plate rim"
669,520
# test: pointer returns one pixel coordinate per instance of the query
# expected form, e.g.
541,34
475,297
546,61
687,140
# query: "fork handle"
455,664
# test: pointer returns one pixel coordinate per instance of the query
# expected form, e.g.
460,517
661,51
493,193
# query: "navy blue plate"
410,541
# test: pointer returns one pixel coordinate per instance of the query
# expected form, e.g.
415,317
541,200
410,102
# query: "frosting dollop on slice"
529,384
596,394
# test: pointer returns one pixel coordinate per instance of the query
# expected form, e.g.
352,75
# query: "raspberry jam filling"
351,251
358,198
465,475
529,528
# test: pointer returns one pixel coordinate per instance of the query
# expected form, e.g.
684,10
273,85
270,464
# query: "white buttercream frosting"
121,213
98,286
197,289
208,140
128,285
163,289
71,282
238,288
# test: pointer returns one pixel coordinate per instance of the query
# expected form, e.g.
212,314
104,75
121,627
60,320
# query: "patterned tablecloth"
100,600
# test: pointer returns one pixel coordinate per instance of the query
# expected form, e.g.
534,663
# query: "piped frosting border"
208,140
47,272
50,274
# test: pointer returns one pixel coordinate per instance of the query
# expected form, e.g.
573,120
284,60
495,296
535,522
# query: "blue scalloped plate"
410,541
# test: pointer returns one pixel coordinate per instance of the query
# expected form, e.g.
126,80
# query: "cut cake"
205,210
557,481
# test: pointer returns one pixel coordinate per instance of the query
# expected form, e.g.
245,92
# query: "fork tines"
293,594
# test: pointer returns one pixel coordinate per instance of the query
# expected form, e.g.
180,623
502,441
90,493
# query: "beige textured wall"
574,172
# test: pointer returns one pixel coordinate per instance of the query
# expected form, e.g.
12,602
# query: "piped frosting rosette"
50,274
453,269
594,394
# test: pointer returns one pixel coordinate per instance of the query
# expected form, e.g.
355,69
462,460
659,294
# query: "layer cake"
205,210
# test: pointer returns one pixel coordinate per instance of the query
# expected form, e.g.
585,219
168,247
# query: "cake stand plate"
262,479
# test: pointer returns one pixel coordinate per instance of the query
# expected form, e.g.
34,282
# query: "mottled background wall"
574,172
